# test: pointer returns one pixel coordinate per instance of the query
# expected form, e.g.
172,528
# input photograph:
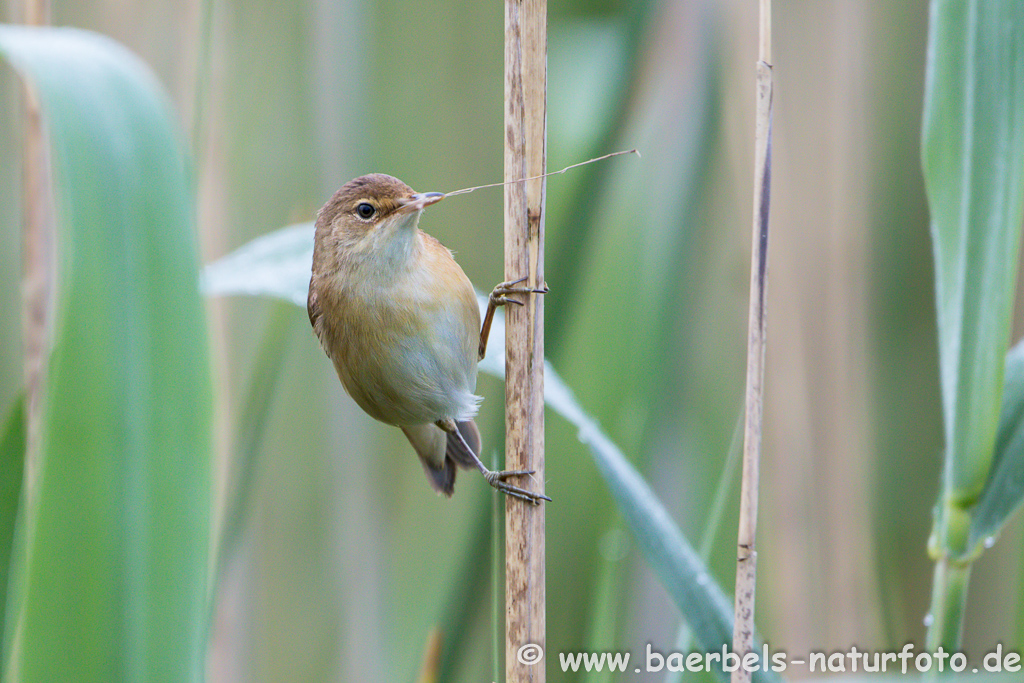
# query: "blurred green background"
347,558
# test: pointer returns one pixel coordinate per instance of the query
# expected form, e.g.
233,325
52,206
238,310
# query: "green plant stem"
949,597
948,547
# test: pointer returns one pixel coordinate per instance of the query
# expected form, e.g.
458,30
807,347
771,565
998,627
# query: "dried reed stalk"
746,560
525,156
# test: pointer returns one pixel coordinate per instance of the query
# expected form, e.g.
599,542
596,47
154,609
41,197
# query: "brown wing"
316,319
313,308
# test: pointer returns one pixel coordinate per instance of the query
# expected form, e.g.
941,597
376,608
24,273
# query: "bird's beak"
419,201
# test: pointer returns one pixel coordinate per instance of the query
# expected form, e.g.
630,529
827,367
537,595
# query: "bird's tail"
440,452
466,450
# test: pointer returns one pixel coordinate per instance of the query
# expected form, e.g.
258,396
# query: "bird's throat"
396,247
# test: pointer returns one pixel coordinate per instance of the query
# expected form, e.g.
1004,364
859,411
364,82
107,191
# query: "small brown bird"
399,319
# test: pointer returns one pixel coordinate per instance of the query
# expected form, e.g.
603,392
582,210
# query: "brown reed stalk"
525,156
746,560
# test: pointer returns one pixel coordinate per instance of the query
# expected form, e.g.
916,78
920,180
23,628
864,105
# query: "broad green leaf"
973,159
12,468
1004,490
277,264
695,592
113,576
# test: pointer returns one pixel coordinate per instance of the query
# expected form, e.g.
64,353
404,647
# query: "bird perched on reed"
399,319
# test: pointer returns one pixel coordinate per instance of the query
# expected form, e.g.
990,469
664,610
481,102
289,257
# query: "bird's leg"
495,479
499,297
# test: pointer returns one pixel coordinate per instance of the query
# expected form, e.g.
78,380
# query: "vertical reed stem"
525,156
746,561
949,602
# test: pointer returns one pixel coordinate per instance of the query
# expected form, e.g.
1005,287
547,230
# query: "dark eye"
365,210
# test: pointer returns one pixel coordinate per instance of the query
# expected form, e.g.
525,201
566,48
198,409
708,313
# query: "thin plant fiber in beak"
420,201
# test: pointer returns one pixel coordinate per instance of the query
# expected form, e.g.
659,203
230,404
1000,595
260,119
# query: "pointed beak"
420,201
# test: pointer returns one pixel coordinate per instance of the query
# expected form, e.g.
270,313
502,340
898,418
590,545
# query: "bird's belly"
416,366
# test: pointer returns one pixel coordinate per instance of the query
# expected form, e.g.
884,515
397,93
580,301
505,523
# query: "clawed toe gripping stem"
497,479
500,297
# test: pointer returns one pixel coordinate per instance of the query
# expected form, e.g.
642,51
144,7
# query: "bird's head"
371,208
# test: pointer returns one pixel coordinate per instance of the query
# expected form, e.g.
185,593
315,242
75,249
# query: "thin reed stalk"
746,559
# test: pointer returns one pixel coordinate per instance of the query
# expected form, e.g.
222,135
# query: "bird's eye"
365,210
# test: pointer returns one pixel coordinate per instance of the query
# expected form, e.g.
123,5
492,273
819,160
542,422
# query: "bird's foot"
500,294
498,481
499,297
